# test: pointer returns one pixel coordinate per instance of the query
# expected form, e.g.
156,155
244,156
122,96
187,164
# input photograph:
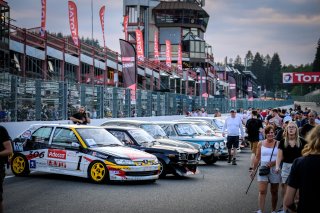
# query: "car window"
64,137
122,136
39,139
98,137
168,129
155,130
184,129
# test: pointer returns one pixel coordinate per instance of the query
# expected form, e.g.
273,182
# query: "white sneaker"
259,211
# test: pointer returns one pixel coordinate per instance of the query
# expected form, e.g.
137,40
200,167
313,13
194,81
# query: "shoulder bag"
265,170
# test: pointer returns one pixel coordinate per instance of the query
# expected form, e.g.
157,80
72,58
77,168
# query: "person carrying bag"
266,156
265,170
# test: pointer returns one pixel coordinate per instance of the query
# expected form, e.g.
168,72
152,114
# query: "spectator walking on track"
305,175
266,156
233,125
289,149
5,152
253,127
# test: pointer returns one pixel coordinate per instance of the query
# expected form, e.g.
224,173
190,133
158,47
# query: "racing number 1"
79,162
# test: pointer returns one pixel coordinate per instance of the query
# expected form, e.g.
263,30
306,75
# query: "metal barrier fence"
308,98
24,99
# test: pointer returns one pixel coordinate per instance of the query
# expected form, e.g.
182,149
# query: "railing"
24,99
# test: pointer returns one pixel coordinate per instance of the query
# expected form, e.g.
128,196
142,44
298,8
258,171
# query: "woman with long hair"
305,175
266,155
289,149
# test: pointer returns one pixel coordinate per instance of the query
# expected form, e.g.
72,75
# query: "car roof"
172,122
136,122
120,127
65,125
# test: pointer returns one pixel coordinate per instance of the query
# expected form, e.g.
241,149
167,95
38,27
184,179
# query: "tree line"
268,71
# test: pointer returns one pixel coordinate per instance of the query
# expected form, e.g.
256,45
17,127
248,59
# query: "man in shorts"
253,127
233,125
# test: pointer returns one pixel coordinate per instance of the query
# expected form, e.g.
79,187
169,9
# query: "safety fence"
24,99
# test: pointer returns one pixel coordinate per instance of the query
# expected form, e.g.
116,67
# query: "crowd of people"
287,143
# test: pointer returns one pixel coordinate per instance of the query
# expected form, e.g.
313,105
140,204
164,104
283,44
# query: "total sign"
301,78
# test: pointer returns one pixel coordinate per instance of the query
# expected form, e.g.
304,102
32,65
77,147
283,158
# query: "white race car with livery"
83,151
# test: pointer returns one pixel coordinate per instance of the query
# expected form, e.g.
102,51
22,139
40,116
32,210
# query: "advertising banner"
125,26
168,53
139,47
73,21
301,78
156,46
129,67
101,14
43,17
179,57
232,88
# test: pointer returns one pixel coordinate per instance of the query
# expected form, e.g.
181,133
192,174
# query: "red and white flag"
139,47
156,46
180,57
168,53
73,21
125,26
101,14
43,17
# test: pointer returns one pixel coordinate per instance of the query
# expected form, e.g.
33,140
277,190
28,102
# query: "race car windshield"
141,136
98,137
155,130
185,130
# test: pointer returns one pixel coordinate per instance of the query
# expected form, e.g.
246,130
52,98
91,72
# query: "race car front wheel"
163,169
98,172
19,165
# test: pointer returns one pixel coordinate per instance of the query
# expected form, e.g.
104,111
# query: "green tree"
238,63
316,62
248,60
257,68
274,75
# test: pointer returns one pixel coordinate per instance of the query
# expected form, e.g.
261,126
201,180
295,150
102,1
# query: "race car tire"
210,160
98,172
19,165
163,169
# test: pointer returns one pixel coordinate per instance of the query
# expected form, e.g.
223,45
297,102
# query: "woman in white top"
265,149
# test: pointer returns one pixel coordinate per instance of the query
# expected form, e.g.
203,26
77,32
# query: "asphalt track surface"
218,188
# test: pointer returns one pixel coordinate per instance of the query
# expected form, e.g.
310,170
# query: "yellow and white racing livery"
83,151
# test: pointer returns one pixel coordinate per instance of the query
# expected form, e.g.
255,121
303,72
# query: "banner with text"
301,78
250,92
73,21
156,46
101,14
43,17
140,46
168,53
129,67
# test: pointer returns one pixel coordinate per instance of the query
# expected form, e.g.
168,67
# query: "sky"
290,28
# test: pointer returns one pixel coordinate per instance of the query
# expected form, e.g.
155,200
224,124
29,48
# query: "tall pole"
92,22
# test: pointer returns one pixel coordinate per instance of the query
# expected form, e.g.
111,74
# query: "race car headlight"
222,145
156,161
124,161
216,145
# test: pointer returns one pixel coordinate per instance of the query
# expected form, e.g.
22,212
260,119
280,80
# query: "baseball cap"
287,119
232,110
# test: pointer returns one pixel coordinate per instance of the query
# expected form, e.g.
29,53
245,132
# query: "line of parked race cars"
120,150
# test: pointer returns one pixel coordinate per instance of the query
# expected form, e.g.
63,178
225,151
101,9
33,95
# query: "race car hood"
174,149
202,138
123,152
174,143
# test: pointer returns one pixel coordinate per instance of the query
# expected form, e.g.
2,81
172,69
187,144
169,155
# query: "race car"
80,150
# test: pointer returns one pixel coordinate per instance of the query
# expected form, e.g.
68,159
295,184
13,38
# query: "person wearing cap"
289,149
233,125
